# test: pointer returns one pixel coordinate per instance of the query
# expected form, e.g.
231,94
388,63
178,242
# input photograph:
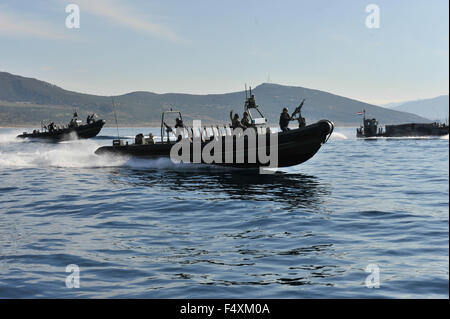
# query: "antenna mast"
115,116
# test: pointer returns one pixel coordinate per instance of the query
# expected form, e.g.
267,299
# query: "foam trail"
10,138
445,137
338,136
78,153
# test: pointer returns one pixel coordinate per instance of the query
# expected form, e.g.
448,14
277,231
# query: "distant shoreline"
150,125
106,126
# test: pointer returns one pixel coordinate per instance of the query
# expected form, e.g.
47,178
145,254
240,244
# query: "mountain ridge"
26,101
435,109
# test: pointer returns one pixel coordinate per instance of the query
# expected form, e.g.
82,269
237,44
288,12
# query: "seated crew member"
151,138
284,120
245,120
300,119
139,139
235,122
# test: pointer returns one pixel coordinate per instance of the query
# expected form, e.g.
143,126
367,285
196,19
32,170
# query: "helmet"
285,109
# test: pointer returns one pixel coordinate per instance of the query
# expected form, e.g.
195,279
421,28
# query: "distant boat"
370,128
294,146
75,129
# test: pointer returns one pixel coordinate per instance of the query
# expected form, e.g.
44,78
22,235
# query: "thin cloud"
14,24
120,14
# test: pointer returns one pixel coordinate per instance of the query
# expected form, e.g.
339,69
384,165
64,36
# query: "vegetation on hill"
26,101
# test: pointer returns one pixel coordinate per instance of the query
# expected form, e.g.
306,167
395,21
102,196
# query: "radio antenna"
115,116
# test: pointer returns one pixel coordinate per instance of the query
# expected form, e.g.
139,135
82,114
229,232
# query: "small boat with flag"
252,146
74,130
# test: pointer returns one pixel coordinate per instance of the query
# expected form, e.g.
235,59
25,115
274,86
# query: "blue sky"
216,46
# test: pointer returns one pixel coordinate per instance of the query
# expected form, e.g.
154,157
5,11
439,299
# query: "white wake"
15,153
78,153
338,136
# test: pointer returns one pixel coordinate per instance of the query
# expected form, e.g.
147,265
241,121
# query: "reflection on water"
220,236
292,190
152,229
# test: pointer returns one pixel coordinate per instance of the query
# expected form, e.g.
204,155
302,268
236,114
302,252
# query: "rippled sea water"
153,229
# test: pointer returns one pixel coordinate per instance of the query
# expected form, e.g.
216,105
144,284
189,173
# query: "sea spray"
79,153
10,138
338,136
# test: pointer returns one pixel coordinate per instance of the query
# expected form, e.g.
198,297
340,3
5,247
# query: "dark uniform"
90,119
73,122
235,122
284,120
251,101
179,123
245,120
300,119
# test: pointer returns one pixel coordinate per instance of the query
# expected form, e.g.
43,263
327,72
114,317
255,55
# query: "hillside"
433,109
26,101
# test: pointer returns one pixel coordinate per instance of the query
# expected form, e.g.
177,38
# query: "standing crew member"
251,101
284,120
178,123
